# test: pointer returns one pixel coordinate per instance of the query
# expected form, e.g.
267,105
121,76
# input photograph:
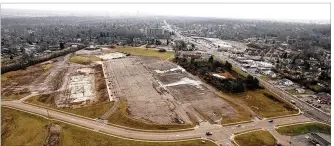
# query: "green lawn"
294,92
121,117
84,59
18,128
256,138
16,131
146,52
4,59
264,77
263,105
93,111
316,88
304,128
239,71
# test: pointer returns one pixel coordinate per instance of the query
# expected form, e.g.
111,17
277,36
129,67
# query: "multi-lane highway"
307,109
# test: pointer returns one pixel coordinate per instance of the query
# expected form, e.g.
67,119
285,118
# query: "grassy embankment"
304,128
16,131
92,111
256,138
146,52
263,105
84,59
121,117
294,92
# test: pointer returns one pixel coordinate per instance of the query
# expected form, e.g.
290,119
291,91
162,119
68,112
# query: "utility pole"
47,111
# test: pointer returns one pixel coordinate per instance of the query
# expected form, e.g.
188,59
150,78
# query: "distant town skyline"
282,12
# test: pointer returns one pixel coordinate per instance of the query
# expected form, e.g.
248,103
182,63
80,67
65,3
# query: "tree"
157,42
193,46
192,60
285,55
228,65
307,65
62,45
210,59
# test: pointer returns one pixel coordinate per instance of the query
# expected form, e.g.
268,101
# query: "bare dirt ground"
136,85
160,92
206,103
51,80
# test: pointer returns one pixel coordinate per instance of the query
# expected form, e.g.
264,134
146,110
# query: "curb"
51,119
229,124
300,123
292,115
111,124
233,135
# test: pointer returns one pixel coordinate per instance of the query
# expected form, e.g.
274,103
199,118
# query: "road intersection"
221,134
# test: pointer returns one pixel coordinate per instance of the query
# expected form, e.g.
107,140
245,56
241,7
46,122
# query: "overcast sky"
245,11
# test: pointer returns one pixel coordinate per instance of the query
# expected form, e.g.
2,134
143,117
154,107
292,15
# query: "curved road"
221,135
307,109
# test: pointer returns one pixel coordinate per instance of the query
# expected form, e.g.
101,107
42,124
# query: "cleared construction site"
162,92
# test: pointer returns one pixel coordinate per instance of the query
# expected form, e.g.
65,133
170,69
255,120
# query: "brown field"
264,106
150,100
15,84
15,131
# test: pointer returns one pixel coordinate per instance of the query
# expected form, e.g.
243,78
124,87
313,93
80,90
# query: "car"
208,133
293,102
270,121
238,125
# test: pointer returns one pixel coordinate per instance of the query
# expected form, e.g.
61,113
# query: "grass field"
84,59
239,71
242,114
304,128
18,128
264,77
146,52
15,96
121,117
316,88
263,105
93,111
256,138
47,66
294,92
18,132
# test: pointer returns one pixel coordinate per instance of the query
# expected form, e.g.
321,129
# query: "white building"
285,82
154,31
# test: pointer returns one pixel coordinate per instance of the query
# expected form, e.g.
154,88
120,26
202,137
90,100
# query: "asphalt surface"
306,109
221,134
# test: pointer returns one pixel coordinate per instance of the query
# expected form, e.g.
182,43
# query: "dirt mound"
227,75
53,137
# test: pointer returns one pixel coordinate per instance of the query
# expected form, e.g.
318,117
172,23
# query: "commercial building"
154,31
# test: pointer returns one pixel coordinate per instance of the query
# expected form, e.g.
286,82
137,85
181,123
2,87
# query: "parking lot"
313,100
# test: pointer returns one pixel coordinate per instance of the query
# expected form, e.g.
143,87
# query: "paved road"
221,134
307,109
